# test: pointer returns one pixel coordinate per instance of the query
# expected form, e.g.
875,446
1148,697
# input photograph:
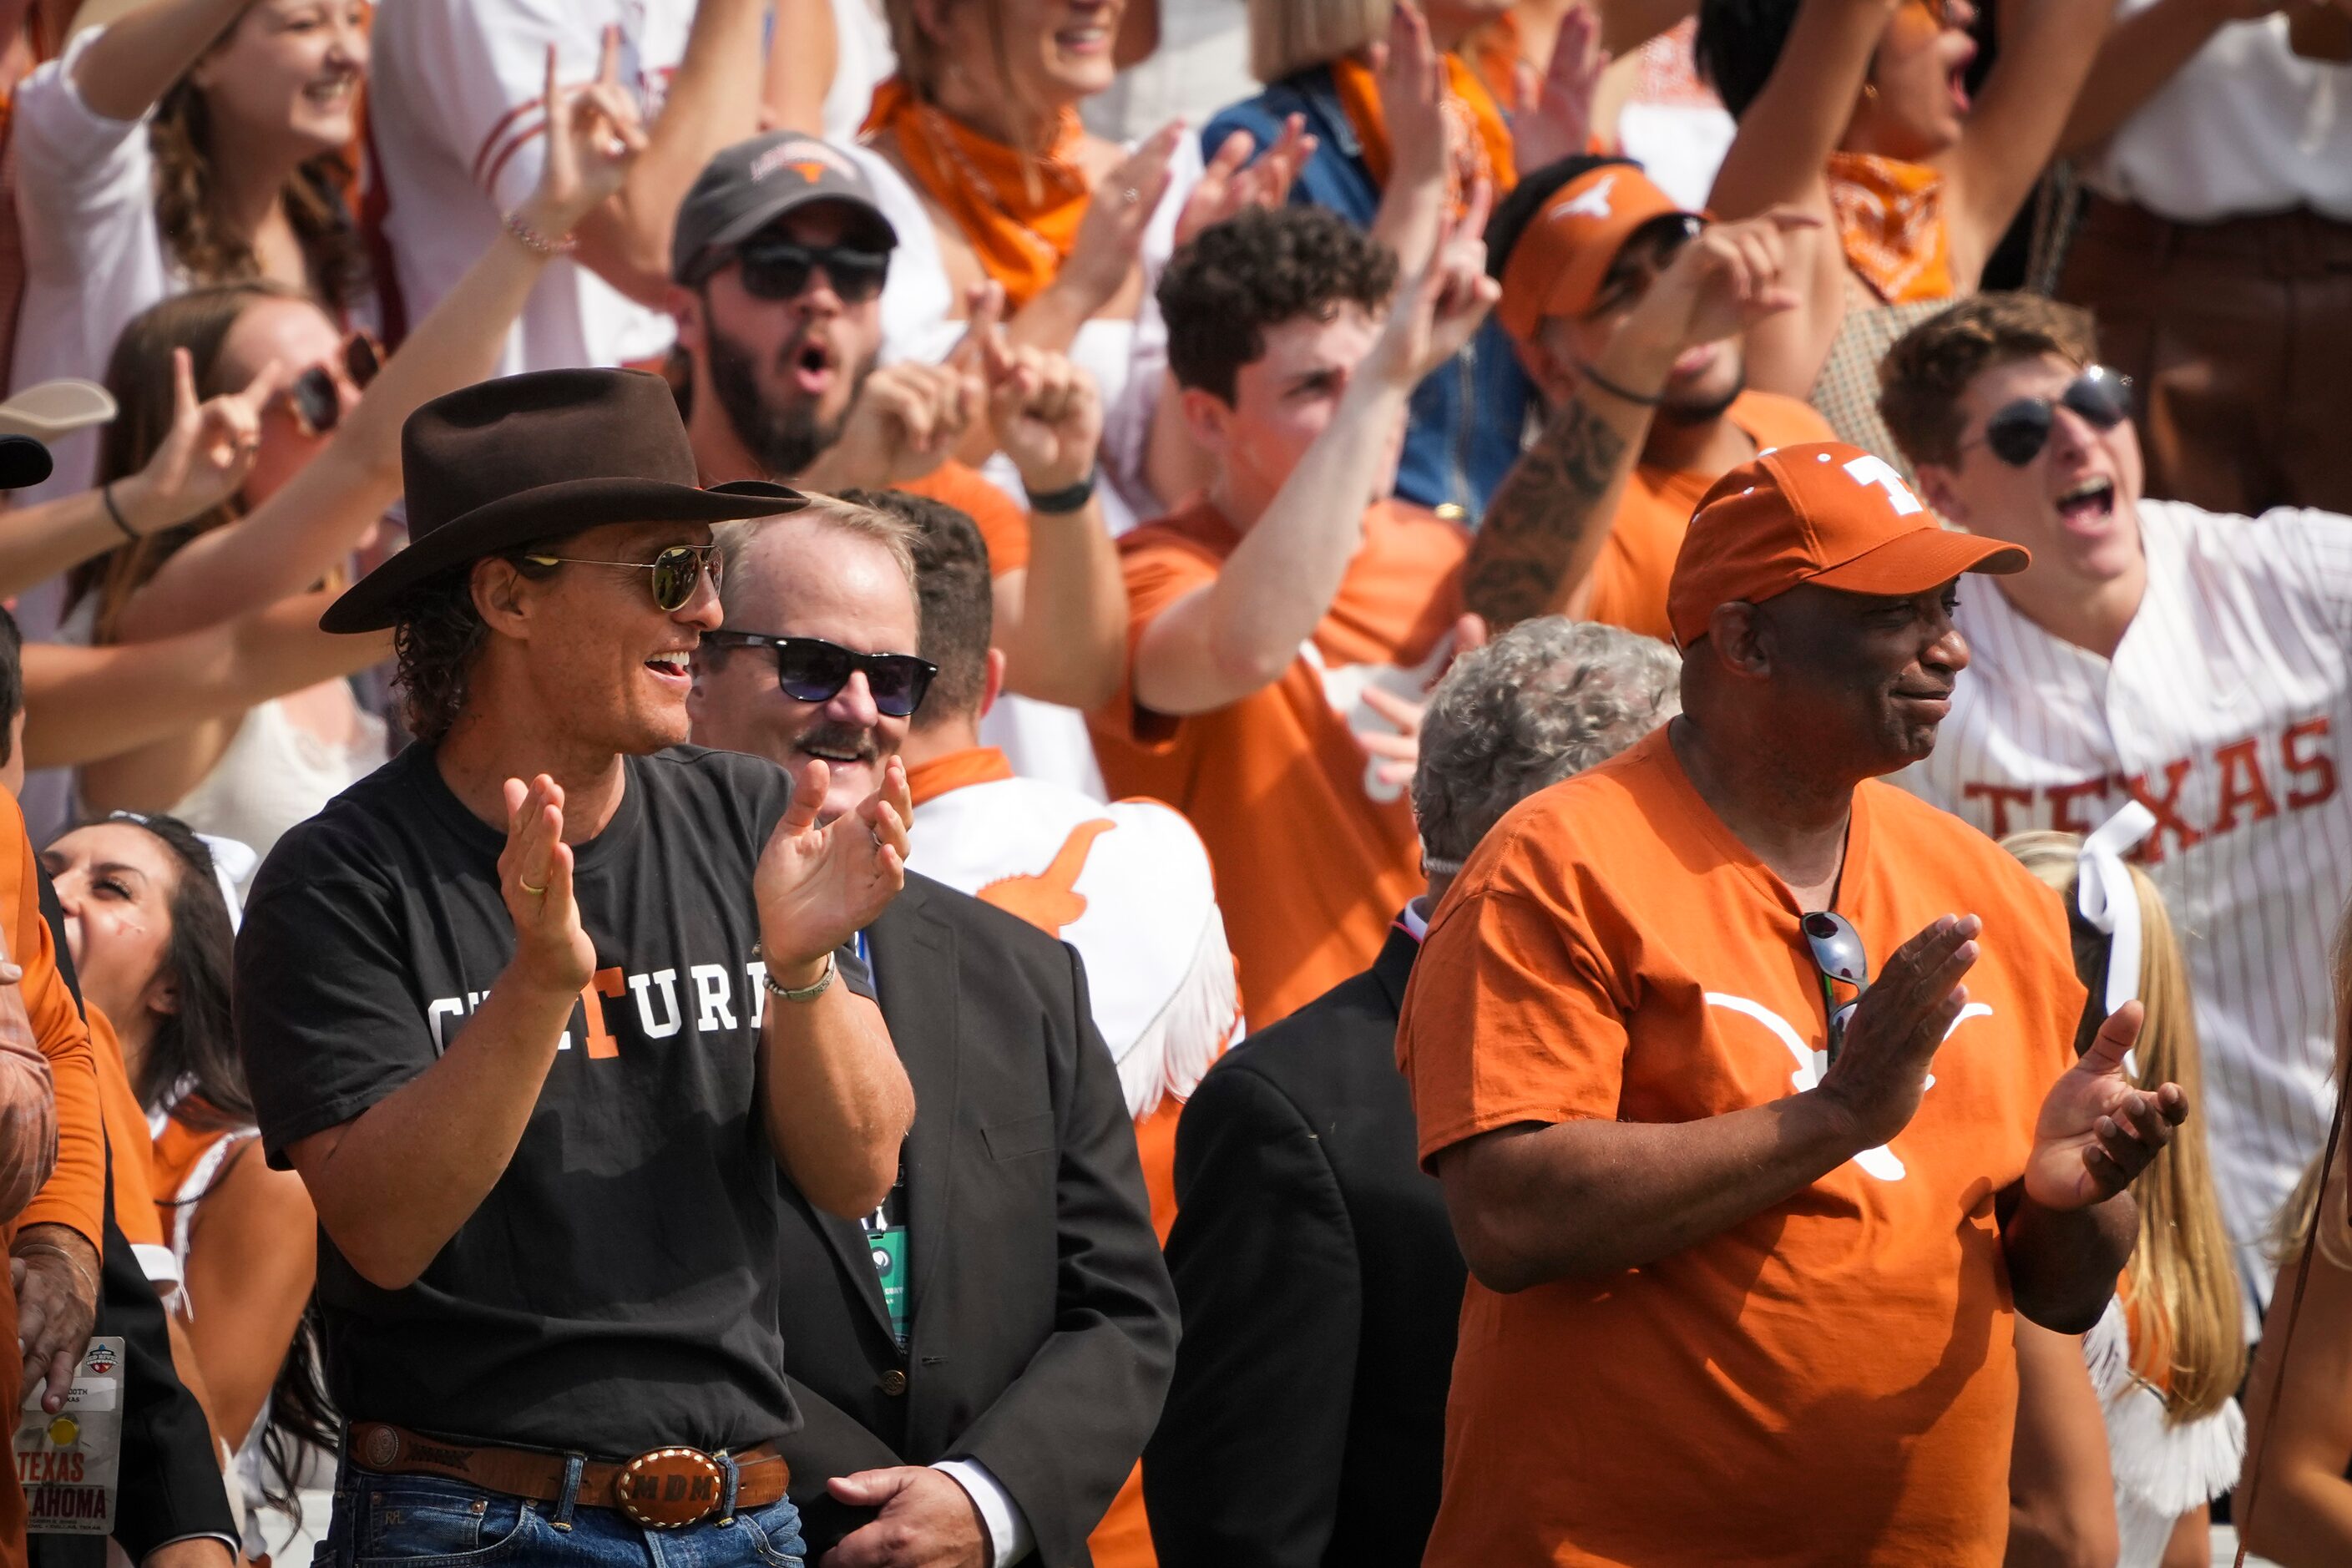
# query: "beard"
784,437
1703,410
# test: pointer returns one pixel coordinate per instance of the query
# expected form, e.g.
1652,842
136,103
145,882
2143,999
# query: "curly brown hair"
1922,377
434,642
188,211
1258,269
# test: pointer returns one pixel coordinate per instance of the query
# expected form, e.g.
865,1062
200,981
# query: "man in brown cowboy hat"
539,1009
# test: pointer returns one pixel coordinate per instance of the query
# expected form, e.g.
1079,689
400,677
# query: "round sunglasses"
811,669
2018,431
779,269
315,397
677,570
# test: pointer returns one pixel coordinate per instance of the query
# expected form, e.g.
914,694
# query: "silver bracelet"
809,993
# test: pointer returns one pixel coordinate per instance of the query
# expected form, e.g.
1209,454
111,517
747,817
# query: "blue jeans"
426,1519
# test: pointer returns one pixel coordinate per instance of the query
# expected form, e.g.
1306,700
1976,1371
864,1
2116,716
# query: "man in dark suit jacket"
1313,1258
1034,1326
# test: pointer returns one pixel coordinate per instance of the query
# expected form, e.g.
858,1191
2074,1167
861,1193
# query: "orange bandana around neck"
1890,219
1482,141
1019,212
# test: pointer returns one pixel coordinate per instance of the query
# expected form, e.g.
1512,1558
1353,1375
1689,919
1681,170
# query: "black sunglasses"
316,400
1837,953
811,669
677,570
2018,431
779,269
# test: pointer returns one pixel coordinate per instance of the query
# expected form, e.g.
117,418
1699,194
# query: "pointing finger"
608,67
183,385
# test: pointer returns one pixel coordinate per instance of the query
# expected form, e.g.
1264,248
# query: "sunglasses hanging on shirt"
1837,953
2018,431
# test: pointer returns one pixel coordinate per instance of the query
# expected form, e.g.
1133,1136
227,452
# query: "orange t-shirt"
1314,854
129,1148
1004,523
1831,1380
1629,579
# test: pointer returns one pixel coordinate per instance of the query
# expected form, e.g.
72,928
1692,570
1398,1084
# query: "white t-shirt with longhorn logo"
2225,710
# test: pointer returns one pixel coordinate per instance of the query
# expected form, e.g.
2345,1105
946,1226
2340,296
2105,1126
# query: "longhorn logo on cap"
1592,203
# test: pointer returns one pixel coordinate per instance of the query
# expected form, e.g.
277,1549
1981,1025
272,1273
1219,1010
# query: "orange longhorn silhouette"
1050,902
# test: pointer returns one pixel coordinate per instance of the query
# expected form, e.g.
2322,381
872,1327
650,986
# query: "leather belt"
661,1488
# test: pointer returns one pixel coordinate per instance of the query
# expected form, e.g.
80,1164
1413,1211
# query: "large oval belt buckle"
666,1488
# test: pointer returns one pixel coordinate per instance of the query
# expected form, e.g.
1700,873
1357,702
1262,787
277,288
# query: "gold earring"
1870,92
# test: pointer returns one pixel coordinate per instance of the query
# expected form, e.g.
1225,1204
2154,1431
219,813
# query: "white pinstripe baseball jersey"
2225,710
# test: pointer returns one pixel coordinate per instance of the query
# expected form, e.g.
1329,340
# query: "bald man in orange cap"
1628,314
1748,1179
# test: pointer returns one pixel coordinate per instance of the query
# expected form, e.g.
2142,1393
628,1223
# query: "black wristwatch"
1053,503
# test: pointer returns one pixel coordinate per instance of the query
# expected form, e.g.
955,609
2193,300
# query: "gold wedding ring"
526,887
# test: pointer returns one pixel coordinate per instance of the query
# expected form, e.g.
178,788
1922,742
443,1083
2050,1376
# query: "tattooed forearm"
1546,518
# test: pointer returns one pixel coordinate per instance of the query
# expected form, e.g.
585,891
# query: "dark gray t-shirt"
617,1290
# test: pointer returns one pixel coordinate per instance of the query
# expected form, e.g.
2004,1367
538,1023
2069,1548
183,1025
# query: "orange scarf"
1482,143
1496,50
1020,213
1891,220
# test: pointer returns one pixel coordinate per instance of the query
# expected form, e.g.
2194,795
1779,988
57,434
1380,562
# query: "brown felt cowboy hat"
510,462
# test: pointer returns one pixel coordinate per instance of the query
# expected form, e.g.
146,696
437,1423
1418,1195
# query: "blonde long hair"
1288,36
2183,1275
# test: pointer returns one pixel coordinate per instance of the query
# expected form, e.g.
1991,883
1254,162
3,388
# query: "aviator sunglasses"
2018,431
316,399
676,571
779,269
811,669
1837,954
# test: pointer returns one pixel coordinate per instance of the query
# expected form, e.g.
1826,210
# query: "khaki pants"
2238,338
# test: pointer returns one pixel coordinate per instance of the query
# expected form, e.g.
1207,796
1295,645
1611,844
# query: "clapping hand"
2097,1133
553,955
1232,183
594,136
205,454
1396,753
1110,236
819,883
1555,119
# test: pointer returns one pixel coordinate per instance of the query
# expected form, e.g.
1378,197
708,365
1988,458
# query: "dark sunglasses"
2018,431
1837,953
811,669
778,269
677,570
315,396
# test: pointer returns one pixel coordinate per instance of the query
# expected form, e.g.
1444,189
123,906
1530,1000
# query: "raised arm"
2140,54
202,460
84,704
1229,638
713,101
1781,157
1410,219
1069,642
1549,518
2046,49
290,540
127,69
803,53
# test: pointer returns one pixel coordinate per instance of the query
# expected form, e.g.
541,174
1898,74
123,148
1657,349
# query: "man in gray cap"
779,260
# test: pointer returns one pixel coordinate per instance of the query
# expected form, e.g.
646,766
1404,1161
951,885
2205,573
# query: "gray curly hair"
1546,699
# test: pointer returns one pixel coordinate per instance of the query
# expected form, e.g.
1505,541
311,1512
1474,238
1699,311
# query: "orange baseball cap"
1559,261
1822,513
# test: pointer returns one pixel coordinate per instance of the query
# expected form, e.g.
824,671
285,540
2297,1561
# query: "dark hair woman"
149,929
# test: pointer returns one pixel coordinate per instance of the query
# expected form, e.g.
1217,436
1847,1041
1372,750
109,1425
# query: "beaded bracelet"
533,240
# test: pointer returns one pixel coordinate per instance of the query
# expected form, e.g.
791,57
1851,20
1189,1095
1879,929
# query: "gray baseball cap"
753,183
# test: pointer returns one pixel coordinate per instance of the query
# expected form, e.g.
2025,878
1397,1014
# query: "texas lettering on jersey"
712,996
2196,798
